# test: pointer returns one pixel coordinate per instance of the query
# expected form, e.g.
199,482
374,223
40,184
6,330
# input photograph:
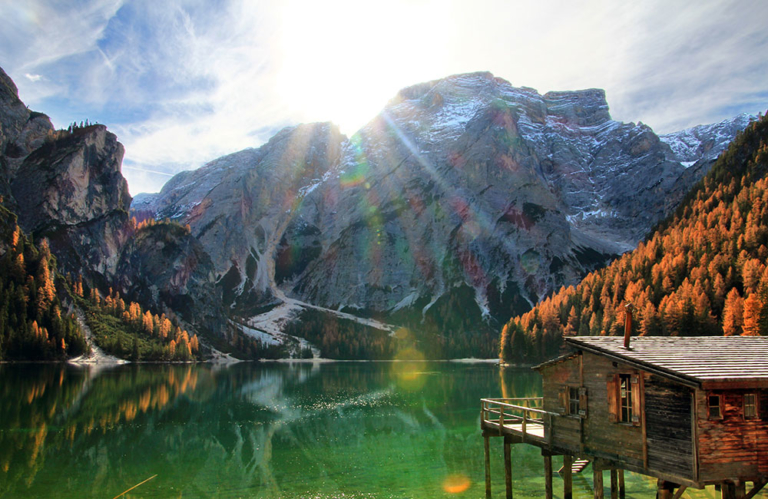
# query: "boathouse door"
668,413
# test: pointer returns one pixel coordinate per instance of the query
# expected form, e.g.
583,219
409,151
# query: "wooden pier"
522,420
689,412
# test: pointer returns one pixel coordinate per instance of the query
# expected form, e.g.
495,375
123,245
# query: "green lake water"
268,430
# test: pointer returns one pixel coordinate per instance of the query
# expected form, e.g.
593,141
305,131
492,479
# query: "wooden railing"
514,411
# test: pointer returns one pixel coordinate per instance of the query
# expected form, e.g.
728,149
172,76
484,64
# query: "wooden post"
508,467
622,491
567,476
741,489
547,476
614,484
664,489
487,467
728,490
597,479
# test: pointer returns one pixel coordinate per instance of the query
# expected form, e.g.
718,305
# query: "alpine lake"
266,430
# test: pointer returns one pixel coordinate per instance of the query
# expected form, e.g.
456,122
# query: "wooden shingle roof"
709,361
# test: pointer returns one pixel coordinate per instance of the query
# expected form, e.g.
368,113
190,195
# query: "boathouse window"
713,402
573,400
624,399
750,405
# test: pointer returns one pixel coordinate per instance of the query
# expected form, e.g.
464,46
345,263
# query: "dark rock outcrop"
165,268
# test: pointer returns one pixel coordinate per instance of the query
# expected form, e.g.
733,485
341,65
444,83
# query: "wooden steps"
577,466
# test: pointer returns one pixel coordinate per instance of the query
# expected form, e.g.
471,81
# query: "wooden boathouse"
688,411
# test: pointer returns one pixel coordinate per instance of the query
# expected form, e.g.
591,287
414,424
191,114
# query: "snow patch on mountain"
705,141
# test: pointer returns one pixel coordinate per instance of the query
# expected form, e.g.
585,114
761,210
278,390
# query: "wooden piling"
727,490
597,480
664,489
487,467
614,484
547,476
741,489
567,476
622,491
508,467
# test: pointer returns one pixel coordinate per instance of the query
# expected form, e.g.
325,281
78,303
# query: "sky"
182,82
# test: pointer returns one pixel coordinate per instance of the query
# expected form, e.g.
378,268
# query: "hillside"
700,272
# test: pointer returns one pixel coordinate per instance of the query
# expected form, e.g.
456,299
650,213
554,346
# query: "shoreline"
232,360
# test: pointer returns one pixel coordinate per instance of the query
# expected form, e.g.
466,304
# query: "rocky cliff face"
238,206
163,267
68,187
21,132
466,197
70,190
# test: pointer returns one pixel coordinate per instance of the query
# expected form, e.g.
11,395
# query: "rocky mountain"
463,202
66,186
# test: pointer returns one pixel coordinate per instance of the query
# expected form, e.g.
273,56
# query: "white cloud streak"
184,81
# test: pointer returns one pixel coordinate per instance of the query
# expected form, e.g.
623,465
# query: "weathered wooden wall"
733,447
595,435
669,429
566,429
619,442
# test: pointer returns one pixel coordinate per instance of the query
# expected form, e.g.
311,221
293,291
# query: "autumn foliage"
701,272
34,324
126,330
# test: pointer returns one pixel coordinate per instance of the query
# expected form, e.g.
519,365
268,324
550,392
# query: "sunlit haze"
183,82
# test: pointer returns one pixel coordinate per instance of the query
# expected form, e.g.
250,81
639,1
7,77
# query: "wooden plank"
487,467
679,492
643,421
695,435
612,391
756,488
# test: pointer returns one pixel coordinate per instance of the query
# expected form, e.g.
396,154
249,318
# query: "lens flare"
409,366
456,483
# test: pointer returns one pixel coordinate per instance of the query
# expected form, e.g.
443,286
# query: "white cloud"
183,81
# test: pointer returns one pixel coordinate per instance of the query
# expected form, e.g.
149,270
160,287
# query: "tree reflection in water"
251,430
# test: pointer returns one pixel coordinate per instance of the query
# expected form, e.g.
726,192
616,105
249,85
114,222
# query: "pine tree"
752,308
733,313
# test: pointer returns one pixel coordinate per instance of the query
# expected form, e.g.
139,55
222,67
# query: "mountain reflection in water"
373,430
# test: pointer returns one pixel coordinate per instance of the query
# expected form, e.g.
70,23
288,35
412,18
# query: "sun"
342,61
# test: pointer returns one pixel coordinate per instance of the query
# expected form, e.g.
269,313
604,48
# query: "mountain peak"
581,107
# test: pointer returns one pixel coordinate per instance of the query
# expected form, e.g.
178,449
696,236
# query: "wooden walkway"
522,420
533,431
